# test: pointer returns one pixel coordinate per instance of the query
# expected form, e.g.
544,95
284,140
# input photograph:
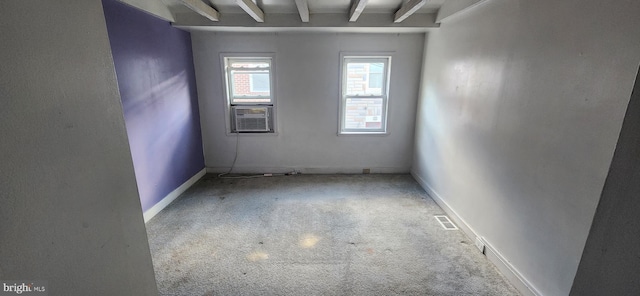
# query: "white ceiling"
322,15
315,6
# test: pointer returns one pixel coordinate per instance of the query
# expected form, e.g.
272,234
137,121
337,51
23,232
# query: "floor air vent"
446,223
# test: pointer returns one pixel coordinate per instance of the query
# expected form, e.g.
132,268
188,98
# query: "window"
259,83
250,97
248,80
365,86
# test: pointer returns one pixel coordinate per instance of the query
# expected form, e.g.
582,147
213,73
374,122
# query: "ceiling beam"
303,10
450,9
356,9
252,9
157,8
408,9
202,9
321,22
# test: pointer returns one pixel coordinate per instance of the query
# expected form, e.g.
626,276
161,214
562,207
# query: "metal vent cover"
251,118
251,124
446,222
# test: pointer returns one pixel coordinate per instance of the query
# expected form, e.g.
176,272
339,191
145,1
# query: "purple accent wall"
154,66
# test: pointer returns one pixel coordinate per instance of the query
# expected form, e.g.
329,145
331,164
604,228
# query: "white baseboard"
307,170
150,213
506,268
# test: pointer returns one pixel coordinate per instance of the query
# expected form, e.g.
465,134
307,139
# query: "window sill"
230,134
363,133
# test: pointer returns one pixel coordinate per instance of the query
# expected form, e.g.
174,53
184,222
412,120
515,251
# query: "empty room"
307,147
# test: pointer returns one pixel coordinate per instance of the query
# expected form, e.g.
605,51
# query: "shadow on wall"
156,158
154,68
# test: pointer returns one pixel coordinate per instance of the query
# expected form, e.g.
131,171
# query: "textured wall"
520,110
69,208
307,76
154,66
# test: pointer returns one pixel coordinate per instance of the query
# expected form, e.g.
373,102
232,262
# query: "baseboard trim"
493,255
150,213
307,170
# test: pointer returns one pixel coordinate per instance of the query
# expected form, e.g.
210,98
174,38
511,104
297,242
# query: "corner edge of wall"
493,255
153,211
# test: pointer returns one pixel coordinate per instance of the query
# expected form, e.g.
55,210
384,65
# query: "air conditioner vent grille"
251,118
248,123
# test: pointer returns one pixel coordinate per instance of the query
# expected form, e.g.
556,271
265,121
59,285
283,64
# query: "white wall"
519,113
610,263
307,78
69,207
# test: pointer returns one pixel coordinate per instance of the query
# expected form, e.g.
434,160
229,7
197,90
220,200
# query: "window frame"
230,90
225,59
345,59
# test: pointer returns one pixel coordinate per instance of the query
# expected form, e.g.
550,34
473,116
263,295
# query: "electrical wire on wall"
235,158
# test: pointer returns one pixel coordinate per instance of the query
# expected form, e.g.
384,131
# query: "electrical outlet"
366,171
480,244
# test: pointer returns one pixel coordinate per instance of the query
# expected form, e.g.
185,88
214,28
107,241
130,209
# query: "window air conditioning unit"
251,118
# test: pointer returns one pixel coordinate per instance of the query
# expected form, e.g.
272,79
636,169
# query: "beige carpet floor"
314,235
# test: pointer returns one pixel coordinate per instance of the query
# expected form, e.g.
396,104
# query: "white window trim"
371,56
227,97
229,79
